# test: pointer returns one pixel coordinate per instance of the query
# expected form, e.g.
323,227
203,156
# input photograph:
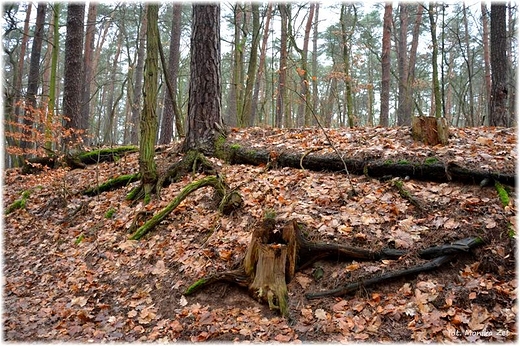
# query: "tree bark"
148,122
73,72
171,110
138,81
385,65
204,124
282,73
88,74
435,73
33,79
498,110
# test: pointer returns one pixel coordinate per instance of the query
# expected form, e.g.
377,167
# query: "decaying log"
436,171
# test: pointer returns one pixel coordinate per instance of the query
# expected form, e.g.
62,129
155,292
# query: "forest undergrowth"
71,274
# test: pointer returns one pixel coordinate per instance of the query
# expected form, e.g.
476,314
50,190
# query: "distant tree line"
74,73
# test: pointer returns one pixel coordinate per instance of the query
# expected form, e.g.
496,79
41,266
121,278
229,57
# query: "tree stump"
430,130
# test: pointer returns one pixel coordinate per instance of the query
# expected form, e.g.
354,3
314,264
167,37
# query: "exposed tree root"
229,200
273,257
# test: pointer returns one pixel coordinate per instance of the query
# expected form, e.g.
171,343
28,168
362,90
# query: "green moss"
20,203
511,231
431,160
388,162
403,162
235,146
110,213
502,194
79,239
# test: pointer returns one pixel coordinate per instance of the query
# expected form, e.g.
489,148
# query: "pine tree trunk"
251,69
204,122
148,123
498,112
435,73
73,70
87,63
171,110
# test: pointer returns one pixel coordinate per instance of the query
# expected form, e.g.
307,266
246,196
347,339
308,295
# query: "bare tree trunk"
171,110
51,109
499,114
281,98
33,79
204,125
435,73
246,112
148,121
346,42
87,64
385,65
19,70
73,71
263,50
487,67
314,79
109,116
138,80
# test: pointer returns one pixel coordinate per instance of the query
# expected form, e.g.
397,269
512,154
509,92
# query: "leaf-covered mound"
71,274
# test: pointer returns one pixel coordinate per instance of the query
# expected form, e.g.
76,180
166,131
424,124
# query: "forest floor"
71,274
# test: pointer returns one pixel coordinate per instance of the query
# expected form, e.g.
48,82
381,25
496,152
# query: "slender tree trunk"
21,60
346,42
87,64
33,78
435,73
138,80
109,116
261,68
281,97
148,123
314,79
234,103
499,114
385,65
402,64
171,110
251,69
469,66
487,64
51,110
204,125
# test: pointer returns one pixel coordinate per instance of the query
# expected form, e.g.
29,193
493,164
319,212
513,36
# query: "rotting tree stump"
274,255
430,130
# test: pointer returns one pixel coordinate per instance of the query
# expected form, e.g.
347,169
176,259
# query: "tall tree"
72,78
385,65
138,80
282,71
261,68
487,63
88,67
204,123
406,63
171,110
346,39
245,113
148,122
498,112
435,73
34,76
54,72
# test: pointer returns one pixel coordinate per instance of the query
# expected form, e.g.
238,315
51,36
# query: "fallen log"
429,171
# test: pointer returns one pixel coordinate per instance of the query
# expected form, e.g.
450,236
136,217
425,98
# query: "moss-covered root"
502,194
19,203
238,277
213,181
112,184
